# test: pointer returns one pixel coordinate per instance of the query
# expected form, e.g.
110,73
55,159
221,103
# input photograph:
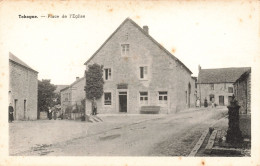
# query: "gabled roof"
78,80
221,75
243,76
59,87
153,40
18,61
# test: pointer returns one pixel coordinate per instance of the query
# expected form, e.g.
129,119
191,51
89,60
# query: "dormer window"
125,49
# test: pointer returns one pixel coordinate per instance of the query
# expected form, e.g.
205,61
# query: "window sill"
107,105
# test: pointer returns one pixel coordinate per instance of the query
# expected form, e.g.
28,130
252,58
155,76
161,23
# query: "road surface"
129,135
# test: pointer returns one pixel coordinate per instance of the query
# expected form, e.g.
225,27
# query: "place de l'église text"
74,16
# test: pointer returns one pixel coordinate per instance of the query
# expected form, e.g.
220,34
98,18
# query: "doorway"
122,96
24,110
221,100
15,108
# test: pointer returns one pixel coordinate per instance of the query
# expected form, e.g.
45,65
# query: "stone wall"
73,94
23,90
243,93
220,89
164,73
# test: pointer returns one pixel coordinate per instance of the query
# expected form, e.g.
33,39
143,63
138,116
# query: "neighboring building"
242,92
57,91
23,89
216,85
139,72
73,94
59,88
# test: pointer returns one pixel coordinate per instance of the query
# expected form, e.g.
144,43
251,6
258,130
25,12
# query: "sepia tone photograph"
110,81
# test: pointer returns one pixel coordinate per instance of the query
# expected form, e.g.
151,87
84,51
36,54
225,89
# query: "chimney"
146,29
77,78
199,68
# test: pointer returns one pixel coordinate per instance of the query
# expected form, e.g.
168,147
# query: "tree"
94,81
46,95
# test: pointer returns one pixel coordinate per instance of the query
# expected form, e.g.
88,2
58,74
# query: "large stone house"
73,94
216,85
23,89
139,73
242,91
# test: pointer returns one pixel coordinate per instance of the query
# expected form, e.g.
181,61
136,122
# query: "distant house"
242,88
216,85
23,89
73,94
140,74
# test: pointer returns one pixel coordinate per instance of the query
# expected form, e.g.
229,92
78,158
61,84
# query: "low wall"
245,125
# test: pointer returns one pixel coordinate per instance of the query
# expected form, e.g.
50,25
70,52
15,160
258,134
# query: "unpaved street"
121,135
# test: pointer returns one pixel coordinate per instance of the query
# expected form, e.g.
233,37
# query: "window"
125,49
107,98
143,72
212,86
230,89
143,98
212,98
108,74
163,97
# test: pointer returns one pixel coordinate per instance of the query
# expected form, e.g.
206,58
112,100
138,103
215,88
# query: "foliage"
94,81
57,97
45,95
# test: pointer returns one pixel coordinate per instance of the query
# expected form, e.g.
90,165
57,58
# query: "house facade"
242,91
73,94
216,85
138,72
23,89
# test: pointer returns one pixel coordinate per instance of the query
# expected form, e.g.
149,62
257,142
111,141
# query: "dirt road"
140,135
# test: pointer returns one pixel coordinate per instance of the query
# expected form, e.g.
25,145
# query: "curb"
210,144
202,138
198,144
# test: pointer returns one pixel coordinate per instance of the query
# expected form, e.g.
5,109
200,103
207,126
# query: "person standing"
55,114
50,113
198,102
205,102
11,113
94,106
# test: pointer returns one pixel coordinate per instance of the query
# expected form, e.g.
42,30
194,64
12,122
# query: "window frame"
111,76
163,98
232,90
212,87
139,99
104,100
125,52
145,72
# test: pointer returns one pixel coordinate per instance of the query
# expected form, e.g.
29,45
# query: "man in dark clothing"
11,113
94,106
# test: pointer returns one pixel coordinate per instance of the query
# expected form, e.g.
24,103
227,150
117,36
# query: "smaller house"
73,94
216,85
23,89
242,91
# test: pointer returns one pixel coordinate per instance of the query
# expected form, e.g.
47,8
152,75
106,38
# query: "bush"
94,81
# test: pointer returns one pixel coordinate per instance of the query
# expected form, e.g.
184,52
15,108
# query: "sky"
213,34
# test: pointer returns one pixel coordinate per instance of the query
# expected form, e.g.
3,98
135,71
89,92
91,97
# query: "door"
122,101
189,92
221,100
24,110
15,108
